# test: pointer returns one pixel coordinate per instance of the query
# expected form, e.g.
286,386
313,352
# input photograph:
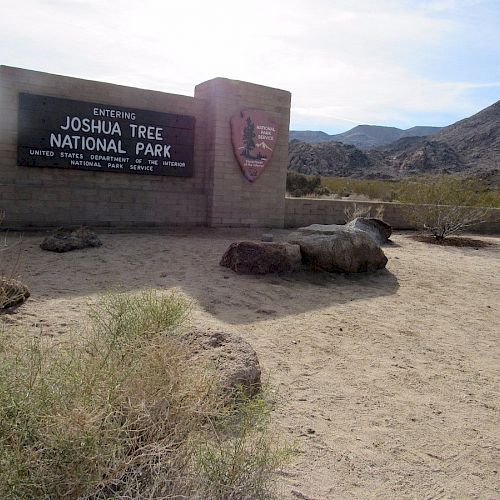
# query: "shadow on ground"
189,260
247,299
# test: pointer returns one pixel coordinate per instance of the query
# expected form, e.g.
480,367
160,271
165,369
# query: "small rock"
65,240
266,311
233,358
267,237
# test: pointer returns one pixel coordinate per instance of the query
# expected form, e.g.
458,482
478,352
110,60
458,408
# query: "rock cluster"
352,248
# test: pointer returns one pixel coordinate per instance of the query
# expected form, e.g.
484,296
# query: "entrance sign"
64,133
254,137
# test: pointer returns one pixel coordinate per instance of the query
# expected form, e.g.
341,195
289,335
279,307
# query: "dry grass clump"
239,463
354,211
121,414
12,293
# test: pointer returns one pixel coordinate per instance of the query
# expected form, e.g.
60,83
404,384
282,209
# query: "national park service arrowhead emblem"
254,137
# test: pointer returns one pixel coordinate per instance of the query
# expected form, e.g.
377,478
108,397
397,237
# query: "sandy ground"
386,384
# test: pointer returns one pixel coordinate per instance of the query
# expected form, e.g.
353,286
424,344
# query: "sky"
346,62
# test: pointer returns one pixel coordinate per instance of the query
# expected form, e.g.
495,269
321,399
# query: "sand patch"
387,383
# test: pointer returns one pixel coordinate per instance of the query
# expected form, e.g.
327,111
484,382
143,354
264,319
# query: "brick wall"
43,196
217,194
234,201
305,211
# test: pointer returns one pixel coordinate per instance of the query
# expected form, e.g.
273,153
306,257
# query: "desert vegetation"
439,205
474,191
121,413
380,190
442,206
305,185
12,291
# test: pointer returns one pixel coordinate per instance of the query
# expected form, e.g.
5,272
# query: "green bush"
305,185
382,190
122,412
443,205
447,190
473,191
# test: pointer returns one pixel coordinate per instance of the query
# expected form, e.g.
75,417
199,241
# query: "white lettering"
114,113
86,143
153,149
106,127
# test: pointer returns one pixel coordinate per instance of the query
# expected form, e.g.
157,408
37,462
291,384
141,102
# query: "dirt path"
387,384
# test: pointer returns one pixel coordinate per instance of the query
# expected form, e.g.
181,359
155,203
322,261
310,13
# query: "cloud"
344,61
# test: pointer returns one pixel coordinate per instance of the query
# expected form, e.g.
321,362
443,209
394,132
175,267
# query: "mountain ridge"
364,136
471,146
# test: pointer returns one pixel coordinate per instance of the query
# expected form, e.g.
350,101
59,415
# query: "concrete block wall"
217,194
44,196
305,211
233,200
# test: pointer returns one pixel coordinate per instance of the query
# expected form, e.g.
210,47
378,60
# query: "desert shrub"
12,291
383,190
305,185
479,192
122,317
443,205
239,462
121,413
353,211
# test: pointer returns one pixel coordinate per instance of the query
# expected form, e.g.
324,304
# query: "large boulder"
234,359
251,257
338,248
64,240
377,229
12,293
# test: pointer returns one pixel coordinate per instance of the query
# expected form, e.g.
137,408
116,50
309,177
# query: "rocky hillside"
476,139
364,136
470,146
414,155
328,159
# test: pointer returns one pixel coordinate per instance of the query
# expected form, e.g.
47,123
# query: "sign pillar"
247,174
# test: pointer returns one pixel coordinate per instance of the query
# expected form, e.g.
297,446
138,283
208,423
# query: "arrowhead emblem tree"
254,137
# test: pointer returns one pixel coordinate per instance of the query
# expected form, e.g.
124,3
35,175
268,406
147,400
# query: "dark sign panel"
63,133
